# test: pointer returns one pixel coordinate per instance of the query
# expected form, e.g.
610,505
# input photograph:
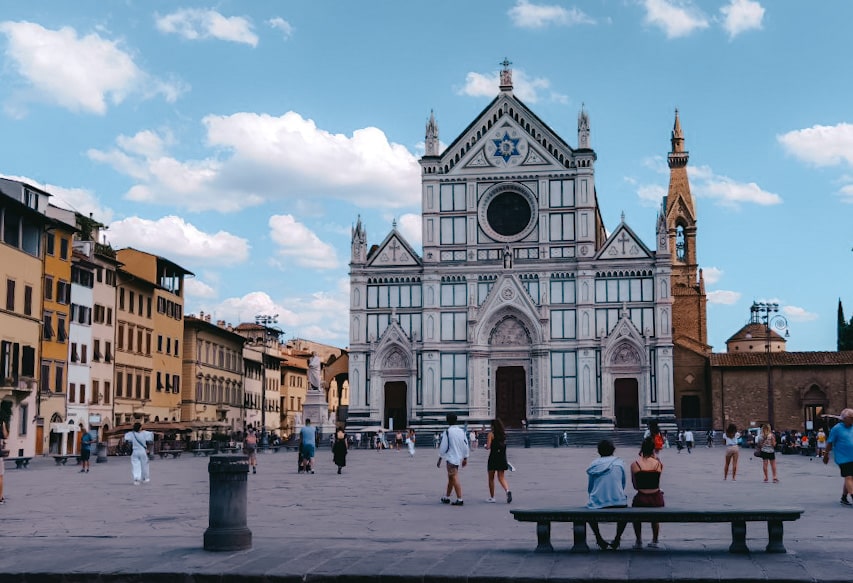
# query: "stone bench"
204,452
581,516
164,453
61,459
20,462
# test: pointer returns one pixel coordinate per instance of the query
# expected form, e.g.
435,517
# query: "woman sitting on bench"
645,475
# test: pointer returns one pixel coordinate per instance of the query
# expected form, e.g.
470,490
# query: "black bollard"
557,440
227,530
102,453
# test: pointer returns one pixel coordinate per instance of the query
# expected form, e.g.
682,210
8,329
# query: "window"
562,291
148,343
624,290
176,384
61,334
130,301
394,296
159,381
453,294
84,358
564,388
169,346
63,248
453,231
96,389
159,343
72,392
119,383
10,295
99,274
562,193
453,325
562,324
121,298
25,414
107,390
96,351
111,278
108,352
59,379
562,226
531,284
138,386
452,197
148,302
28,361
48,325
48,287
7,361
176,347
82,393
454,378
109,316
50,244
74,356
129,339
63,292
138,340
147,386
44,381
120,337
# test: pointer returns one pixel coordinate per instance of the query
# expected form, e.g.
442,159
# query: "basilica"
523,305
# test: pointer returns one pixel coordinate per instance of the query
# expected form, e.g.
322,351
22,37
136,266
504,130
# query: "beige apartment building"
164,310
133,344
263,346
213,371
22,225
294,385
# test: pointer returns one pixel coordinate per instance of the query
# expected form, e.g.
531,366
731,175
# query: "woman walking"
767,448
250,448
645,476
497,464
339,450
732,451
139,439
410,442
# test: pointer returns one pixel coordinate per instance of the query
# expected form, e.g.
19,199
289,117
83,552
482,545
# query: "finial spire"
623,217
583,128
431,138
506,75
677,134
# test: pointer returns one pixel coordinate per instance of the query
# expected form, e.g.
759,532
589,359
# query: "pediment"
504,136
393,350
394,251
623,243
680,209
507,304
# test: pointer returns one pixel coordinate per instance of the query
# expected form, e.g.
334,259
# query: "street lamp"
266,321
767,314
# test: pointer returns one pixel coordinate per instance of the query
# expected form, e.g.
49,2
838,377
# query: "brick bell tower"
689,310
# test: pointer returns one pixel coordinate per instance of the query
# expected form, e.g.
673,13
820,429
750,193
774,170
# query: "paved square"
382,516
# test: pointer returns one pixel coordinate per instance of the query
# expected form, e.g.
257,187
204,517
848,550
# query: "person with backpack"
454,449
139,440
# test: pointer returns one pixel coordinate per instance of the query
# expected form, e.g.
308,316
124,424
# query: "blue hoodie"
606,483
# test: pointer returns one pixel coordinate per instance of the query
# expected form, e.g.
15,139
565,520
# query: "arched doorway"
691,410
395,405
510,395
626,402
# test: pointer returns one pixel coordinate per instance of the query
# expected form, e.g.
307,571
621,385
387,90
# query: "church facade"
522,306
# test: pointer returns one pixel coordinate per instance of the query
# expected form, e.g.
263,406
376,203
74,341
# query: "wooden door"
626,403
511,395
395,405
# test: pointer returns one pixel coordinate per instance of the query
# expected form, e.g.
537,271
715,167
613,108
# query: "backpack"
658,441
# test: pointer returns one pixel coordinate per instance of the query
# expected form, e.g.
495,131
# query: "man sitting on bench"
606,488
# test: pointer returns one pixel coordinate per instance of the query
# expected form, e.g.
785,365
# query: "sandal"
775,480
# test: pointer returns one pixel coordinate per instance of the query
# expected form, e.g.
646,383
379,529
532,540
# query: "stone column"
227,530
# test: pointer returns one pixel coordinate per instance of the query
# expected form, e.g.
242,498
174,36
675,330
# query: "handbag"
757,453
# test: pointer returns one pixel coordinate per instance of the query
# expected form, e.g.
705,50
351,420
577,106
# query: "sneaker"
638,546
490,500
509,497
457,503
145,481
82,471
254,470
445,500
845,501
136,482
2,500
652,545
311,471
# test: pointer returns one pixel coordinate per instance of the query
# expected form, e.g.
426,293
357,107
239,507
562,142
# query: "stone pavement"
381,520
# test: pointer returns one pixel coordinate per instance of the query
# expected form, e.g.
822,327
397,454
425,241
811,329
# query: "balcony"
18,389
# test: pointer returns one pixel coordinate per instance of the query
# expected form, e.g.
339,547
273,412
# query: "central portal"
511,395
627,403
395,405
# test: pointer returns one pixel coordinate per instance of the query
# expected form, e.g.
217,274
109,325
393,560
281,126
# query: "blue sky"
243,139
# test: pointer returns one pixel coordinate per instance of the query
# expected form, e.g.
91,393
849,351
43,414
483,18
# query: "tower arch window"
680,243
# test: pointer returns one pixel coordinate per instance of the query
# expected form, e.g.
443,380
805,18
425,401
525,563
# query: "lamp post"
767,314
266,322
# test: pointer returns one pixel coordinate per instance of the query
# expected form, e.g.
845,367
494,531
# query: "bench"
581,516
20,462
164,453
204,452
62,459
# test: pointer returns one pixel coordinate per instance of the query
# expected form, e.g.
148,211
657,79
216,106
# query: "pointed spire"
431,138
583,128
677,134
394,223
623,217
506,75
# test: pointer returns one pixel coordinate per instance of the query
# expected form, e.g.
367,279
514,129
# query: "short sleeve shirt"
841,438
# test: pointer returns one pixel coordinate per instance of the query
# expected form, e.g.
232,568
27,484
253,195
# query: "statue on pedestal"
314,379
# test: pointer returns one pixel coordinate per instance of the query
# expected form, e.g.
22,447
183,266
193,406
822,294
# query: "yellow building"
164,311
294,385
133,348
22,225
54,345
213,372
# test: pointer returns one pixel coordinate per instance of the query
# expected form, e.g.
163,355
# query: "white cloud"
742,15
723,297
322,316
297,242
676,18
194,24
529,90
410,227
797,314
821,145
712,275
172,237
847,193
78,73
527,15
261,157
195,288
281,24
651,194
728,192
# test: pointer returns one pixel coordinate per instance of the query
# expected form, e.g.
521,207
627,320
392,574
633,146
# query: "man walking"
840,441
454,450
688,438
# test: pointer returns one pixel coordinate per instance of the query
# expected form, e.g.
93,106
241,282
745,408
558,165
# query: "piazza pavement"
381,520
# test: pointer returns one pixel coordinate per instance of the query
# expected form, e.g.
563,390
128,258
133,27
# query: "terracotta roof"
756,331
735,359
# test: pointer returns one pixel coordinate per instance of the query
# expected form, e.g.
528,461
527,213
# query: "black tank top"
647,480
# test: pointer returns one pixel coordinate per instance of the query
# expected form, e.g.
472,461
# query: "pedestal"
227,530
316,409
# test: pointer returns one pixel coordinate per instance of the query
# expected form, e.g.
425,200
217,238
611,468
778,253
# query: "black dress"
497,456
339,452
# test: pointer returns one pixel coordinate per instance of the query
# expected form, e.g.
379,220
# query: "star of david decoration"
506,147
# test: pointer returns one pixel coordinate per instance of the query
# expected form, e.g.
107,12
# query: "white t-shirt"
732,440
454,446
688,436
139,440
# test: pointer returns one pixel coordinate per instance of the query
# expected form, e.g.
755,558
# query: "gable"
394,252
624,244
679,210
